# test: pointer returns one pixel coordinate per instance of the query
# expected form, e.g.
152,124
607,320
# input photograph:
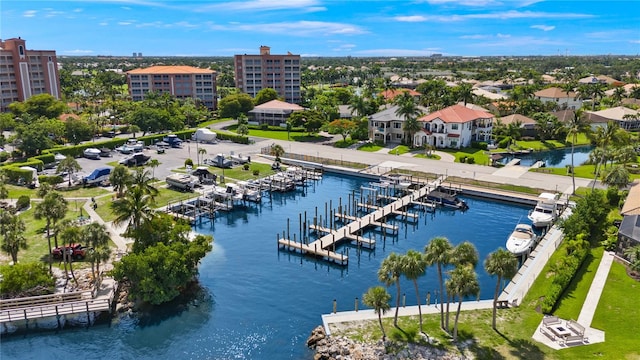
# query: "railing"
51,305
44,300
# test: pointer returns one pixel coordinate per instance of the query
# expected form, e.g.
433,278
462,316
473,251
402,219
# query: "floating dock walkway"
326,245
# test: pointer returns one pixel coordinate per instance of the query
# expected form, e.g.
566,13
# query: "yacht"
521,240
546,210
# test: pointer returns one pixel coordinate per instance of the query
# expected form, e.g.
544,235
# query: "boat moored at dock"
545,211
521,240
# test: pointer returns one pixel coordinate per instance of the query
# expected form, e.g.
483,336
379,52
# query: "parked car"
137,159
77,251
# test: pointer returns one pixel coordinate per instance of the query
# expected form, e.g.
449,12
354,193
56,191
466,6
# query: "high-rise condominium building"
279,72
180,82
24,73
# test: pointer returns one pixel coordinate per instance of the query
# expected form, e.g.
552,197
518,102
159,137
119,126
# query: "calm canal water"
259,303
553,158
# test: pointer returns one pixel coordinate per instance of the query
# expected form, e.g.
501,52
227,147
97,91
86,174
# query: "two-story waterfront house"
454,127
387,126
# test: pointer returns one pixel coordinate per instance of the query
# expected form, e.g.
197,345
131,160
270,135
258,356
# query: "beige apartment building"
279,72
24,73
180,82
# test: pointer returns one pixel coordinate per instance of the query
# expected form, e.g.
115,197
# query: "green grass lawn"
479,156
370,147
616,314
425,156
399,150
17,191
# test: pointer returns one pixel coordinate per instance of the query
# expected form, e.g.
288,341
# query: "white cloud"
395,52
634,41
413,18
29,13
476,3
103,23
76,52
77,10
265,5
502,36
503,15
475,37
124,23
543,27
299,28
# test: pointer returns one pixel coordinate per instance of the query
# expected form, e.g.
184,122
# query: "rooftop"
456,114
171,69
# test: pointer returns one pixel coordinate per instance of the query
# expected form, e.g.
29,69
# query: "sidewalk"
114,233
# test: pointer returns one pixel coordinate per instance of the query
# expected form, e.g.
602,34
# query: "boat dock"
325,246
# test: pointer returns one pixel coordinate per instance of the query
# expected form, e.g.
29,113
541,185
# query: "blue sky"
325,27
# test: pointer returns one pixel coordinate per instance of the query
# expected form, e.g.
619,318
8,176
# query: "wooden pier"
326,245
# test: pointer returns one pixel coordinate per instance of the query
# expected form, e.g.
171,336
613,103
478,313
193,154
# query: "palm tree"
97,238
71,234
463,282
503,264
464,93
52,208
277,151
604,136
141,179
575,126
120,178
618,94
408,109
70,165
438,252
617,176
12,228
134,208
153,164
596,91
413,267
463,254
389,274
201,151
378,299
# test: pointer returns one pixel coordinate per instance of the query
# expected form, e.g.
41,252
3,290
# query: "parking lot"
174,158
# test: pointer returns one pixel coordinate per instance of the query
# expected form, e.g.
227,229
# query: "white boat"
184,182
91,153
546,210
250,192
521,240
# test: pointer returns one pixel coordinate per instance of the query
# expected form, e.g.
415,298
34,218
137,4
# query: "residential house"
390,95
594,120
628,119
629,230
387,126
273,113
454,127
527,124
559,96
600,79
346,112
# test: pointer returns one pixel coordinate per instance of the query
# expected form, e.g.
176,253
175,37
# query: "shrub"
26,279
23,202
564,271
188,162
245,166
463,159
613,196
256,172
504,143
50,179
471,160
479,145
4,156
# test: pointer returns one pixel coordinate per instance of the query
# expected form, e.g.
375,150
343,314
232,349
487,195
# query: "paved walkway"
114,232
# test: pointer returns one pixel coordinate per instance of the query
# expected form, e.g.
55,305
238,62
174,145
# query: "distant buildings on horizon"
24,73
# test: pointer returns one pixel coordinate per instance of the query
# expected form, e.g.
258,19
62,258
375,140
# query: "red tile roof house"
454,127
560,97
390,95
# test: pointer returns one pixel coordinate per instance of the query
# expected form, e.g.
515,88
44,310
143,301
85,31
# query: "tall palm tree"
576,125
414,266
120,179
464,93
70,234
503,264
604,136
463,254
389,274
52,208
153,164
141,179
277,150
201,152
616,176
408,109
133,209
463,282
70,165
438,252
378,299
97,238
